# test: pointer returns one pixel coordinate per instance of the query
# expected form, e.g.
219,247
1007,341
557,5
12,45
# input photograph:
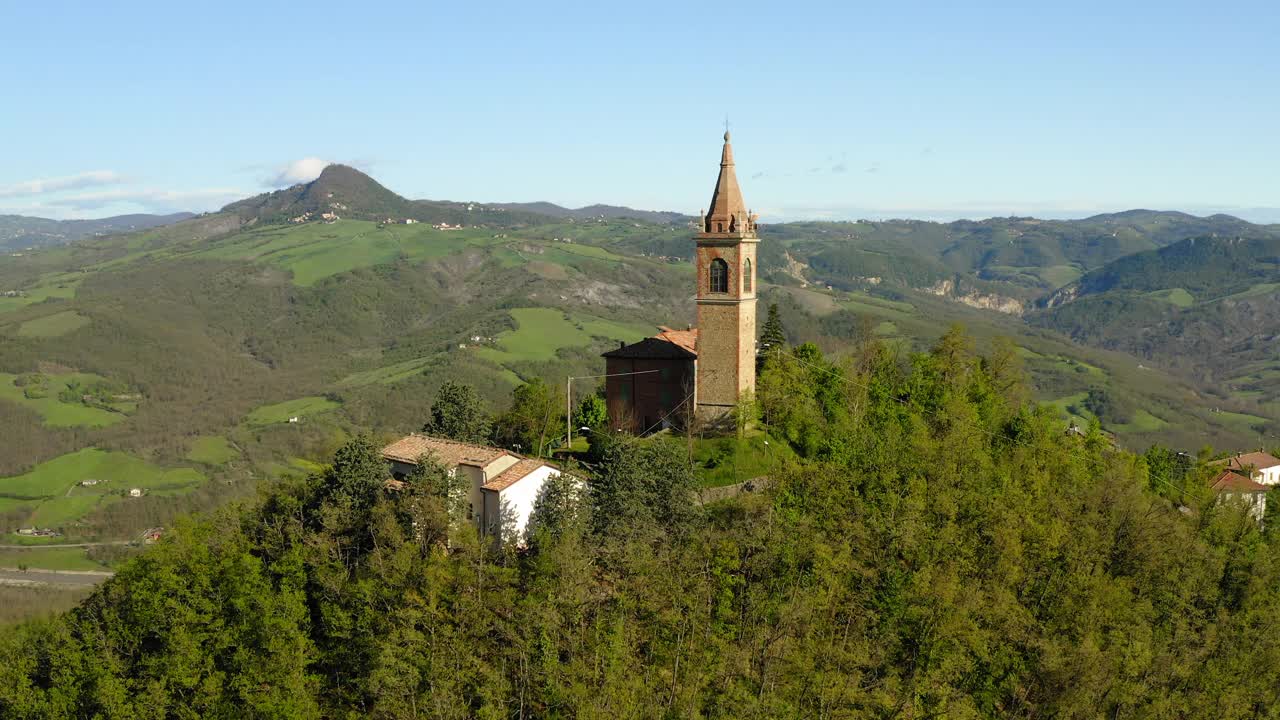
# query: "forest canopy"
942,549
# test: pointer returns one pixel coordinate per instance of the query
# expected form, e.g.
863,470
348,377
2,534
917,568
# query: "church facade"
702,372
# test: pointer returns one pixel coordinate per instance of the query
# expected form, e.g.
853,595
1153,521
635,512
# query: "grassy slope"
282,412
52,493
55,412
212,450
540,332
59,323
377,314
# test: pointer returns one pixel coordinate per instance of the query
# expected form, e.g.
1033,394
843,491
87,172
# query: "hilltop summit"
340,189
349,193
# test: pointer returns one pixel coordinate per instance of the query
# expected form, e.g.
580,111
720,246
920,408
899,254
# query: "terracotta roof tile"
1255,460
687,339
514,474
451,453
1229,480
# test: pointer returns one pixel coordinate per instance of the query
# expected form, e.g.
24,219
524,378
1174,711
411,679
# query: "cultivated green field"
1056,276
212,450
54,497
54,325
52,288
1142,422
55,412
314,251
48,559
1072,401
281,412
1178,297
386,375
540,332
1259,289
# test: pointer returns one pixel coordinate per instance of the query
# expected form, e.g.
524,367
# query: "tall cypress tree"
773,337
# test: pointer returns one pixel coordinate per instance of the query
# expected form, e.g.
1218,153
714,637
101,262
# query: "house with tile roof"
1262,467
1236,486
499,482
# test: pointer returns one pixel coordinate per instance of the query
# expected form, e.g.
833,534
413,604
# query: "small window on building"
746,275
719,273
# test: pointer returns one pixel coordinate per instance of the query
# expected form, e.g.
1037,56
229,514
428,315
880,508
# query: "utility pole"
568,413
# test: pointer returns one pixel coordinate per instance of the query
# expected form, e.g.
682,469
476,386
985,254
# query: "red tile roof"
1255,460
449,452
687,339
1231,481
514,474
678,344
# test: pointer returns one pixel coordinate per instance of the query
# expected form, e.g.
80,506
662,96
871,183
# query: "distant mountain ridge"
18,232
608,212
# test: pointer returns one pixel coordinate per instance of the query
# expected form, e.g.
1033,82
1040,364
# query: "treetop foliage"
942,550
458,413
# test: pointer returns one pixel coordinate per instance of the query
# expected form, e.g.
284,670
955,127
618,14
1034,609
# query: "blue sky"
838,110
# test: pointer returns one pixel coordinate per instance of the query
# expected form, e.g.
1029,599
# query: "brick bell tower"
726,257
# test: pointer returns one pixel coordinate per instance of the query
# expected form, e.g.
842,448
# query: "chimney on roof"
622,344
688,326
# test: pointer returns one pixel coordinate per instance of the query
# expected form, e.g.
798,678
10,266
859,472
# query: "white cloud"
298,171
154,200
93,178
125,200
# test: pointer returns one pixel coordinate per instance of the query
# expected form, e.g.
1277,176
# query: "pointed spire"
727,212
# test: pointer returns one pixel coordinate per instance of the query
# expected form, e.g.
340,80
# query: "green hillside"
1208,307
212,333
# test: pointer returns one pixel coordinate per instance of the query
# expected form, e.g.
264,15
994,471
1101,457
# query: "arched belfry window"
746,275
719,276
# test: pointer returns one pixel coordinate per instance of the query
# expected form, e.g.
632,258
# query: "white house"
477,463
1262,467
497,480
514,492
1236,487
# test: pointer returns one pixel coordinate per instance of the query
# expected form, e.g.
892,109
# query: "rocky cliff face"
1061,296
973,298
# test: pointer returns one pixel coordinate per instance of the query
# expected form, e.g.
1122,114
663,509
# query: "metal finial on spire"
726,127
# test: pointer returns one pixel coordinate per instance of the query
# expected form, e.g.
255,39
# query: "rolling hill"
1207,306
186,348
19,232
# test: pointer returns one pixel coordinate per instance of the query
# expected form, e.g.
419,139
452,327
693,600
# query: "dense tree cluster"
943,550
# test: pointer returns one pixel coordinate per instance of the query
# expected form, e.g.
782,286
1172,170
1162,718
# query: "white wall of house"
517,499
1269,476
1253,502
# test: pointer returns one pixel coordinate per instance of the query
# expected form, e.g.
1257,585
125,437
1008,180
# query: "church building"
700,372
